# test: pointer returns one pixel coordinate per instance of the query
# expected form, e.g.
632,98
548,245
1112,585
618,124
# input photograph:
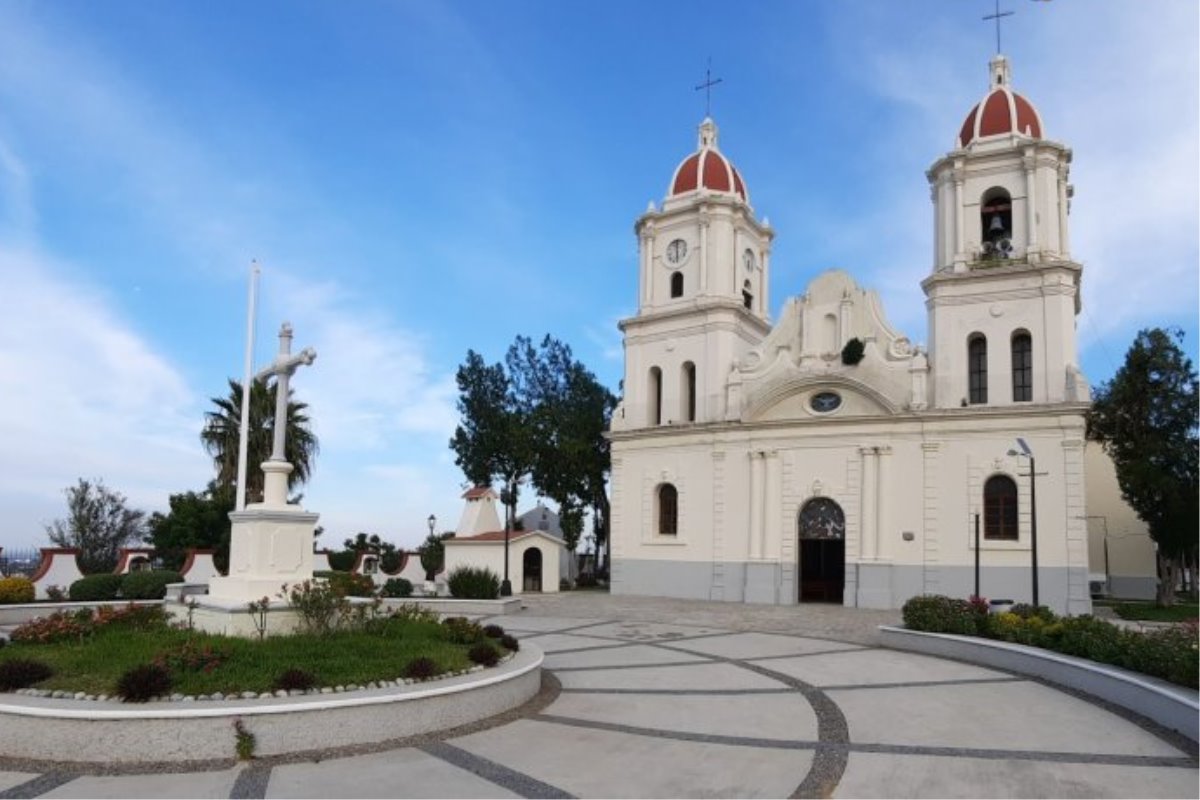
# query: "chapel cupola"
707,169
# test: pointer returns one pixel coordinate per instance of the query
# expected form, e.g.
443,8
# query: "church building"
824,457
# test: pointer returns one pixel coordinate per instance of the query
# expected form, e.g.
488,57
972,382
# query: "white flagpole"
244,424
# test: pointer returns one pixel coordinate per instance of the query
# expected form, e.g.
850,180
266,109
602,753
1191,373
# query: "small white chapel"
824,457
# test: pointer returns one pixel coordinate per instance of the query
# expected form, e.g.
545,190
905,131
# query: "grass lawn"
1180,612
95,664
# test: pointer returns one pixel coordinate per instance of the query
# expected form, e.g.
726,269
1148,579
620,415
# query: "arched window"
995,220
977,368
1000,508
747,296
1022,367
688,379
668,510
822,518
655,395
676,284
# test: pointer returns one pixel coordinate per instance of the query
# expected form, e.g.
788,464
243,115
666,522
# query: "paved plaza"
661,698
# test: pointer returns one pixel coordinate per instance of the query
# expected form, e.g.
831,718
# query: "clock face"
749,260
676,251
824,402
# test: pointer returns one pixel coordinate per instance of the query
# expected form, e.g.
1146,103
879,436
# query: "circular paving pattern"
671,709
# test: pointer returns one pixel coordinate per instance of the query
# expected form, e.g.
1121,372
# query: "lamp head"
1013,452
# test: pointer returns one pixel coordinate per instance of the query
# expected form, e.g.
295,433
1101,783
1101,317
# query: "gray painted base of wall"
1132,587
868,585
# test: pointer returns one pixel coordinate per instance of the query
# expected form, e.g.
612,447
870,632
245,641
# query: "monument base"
271,546
212,615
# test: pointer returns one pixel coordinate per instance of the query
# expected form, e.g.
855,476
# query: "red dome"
707,167
1003,111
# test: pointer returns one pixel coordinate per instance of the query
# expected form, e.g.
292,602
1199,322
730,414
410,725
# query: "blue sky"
418,179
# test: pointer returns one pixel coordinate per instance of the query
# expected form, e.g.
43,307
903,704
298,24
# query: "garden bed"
92,653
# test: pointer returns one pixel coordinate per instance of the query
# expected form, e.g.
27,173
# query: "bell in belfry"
996,228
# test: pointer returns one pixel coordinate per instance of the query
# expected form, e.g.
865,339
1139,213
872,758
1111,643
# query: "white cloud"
84,395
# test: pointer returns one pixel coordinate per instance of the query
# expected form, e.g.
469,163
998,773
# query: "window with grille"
1000,508
668,510
977,369
1022,367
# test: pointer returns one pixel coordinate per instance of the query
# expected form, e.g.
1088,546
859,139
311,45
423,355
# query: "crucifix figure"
707,87
282,368
997,16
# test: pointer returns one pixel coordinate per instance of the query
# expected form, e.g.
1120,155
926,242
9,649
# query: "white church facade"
770,463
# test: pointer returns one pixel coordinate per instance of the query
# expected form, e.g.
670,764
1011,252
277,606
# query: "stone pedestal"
271,546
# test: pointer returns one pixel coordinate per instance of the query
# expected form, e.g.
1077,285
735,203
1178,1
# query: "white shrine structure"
825,457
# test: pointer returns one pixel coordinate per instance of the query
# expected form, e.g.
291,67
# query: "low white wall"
112,732
199,567
1171,706
58,568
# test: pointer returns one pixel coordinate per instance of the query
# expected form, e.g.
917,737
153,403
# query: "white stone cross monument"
272,541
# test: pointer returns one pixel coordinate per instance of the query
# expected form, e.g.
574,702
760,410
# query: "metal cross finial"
997,16
707,87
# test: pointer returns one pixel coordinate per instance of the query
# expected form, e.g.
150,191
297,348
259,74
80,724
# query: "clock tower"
703,262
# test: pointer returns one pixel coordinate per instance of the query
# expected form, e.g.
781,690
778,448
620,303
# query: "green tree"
570,519
389,556
221,432
1146,419
99,523
568,412
433,554
196,520
494,439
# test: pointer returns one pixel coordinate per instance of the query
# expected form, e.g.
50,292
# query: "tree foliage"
221,433
99,523
1146,419
433,554
389,557
540,415
196,520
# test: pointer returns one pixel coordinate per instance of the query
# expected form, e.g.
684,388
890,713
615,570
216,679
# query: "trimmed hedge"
1169,653
16,590
148,584
347,584
97,587
397,587
474,583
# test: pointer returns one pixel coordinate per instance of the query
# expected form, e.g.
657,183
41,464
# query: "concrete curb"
1171,706
454,606
66,730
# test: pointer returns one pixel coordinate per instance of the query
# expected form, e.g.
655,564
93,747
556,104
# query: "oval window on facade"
824,402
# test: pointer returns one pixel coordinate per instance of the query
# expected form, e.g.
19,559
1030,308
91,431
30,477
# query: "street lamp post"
1025,451
432,521
505,498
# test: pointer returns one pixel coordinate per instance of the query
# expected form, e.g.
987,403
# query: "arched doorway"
531,569
822,532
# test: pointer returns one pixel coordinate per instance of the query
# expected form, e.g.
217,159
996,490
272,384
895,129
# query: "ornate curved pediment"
797,398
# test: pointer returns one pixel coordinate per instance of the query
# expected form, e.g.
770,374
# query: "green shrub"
1169,653
347,584
461,630
853,352
319,605
1027,610
16,590
397,587
509,642
474,583
483,653
57,627
104,586
148,584
291,680
421,669
493,631
140,684
192,657
55,593
940,614
19,673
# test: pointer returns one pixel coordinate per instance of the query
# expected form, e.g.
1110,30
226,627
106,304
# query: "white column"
959,243
882,506
1030,202
764,284
772,506
703,253
867,503
647,264
1064,244
756,488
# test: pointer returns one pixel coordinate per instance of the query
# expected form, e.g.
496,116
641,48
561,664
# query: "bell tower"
1004,291
703,262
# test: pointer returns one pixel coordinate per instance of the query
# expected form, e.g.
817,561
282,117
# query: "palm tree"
220,437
